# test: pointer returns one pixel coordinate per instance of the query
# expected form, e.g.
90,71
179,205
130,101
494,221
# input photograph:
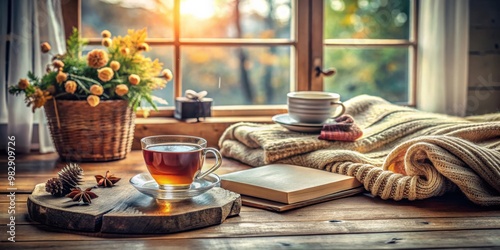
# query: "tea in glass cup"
175,161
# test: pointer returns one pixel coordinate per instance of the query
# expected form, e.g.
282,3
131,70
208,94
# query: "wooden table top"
358,222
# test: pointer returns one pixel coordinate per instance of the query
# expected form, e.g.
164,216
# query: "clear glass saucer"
145,183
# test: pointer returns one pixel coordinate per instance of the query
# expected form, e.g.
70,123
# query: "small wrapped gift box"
186,108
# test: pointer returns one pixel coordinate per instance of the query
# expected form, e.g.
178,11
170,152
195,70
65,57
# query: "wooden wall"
484,57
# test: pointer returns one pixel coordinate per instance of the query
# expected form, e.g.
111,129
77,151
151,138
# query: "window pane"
368,19
118,16
381,72
217,18
248,75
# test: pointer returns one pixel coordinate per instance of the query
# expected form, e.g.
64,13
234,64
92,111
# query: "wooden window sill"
210,128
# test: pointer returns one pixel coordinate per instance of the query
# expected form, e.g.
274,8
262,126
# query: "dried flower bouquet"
119,72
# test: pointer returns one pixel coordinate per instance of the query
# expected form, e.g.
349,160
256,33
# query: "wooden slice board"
123,209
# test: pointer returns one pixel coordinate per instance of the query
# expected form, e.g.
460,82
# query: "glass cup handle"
218,162
342,111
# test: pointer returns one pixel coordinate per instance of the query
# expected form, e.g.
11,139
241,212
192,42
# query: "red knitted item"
344,129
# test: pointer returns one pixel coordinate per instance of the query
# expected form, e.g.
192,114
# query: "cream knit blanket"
403,154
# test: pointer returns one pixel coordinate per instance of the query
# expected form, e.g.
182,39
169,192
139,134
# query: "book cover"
286,183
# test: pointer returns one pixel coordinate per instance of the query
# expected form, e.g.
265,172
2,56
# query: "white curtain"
443,40
24,25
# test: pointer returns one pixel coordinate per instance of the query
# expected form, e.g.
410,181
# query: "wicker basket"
83,133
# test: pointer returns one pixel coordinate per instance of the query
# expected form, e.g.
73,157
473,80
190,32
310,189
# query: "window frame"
306,44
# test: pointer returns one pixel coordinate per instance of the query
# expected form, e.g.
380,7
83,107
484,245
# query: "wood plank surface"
273,229
352,208
357,222
45,166
400,240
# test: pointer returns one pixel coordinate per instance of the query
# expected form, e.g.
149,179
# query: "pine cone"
69,177
55,187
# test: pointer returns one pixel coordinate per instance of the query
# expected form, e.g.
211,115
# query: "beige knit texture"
403,154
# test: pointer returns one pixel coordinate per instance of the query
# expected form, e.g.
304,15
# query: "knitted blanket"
403,153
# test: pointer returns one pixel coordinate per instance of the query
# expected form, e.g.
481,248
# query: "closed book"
287,183
282,207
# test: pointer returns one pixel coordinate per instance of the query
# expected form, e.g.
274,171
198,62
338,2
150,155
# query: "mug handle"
218,162
341,112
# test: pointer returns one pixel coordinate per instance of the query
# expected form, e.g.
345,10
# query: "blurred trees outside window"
242,51
375,70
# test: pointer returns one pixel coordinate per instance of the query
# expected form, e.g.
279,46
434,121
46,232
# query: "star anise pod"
106,181
79,195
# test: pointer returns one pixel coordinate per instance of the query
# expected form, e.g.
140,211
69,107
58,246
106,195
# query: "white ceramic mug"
314,106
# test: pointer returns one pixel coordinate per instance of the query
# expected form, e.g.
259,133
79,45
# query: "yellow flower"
105,34
61,77
121,89
125,51
45,47
93,100
70,86
143,47
96,90
114,65
58,64
23,83
97,58
134,79
105,74
106,42
167,74
157,83
39,98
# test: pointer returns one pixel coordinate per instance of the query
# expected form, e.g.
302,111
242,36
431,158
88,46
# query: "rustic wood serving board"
123,209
